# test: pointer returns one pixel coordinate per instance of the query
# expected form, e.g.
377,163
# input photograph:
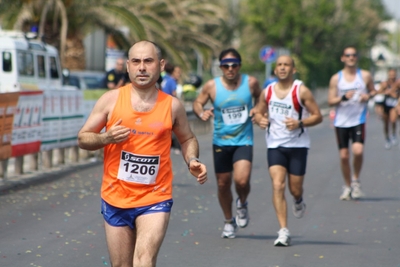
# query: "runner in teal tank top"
232,97
232,124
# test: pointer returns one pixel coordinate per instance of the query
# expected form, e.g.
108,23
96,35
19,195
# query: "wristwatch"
301,125
190,160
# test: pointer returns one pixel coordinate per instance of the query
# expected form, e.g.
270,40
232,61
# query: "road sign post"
267,55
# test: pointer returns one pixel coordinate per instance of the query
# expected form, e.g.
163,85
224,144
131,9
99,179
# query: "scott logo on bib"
142,169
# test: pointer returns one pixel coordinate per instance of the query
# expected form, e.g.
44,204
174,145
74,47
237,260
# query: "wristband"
344,98
190,160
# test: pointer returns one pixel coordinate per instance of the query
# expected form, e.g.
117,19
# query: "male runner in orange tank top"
136,190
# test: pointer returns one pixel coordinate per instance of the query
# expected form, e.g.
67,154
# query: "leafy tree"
314,30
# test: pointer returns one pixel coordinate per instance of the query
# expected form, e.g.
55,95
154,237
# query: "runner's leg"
241,176
224,182
278,179
151,229
121,244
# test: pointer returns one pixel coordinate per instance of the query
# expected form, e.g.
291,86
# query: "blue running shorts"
126,217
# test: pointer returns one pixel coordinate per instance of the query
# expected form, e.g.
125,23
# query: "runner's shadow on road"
298,242
378,199
256,237
182,185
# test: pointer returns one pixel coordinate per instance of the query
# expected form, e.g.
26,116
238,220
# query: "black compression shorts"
225,156
293,159
344,135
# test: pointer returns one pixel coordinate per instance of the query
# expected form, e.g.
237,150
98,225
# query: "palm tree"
25,14
57,6
178,26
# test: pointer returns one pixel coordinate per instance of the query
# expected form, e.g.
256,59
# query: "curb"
18,182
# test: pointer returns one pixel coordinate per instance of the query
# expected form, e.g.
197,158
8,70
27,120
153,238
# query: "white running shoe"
346,193
394,140
242,214
230,229
356,192
299,209
388,144
283,239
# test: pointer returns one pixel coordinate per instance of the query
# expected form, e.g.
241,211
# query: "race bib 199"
139,169
235,115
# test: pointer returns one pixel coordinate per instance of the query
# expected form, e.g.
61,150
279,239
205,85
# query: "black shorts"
387,109
356,134
293,159
389,104
225,156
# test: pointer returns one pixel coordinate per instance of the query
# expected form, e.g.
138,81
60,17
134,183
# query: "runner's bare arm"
90,136
255,88
333,98
188,141
312,107
382,87
202,99
259,112
370,86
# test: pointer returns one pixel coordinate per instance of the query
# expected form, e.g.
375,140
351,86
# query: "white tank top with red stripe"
277,135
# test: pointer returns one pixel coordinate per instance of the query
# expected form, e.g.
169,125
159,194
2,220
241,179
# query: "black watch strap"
190,160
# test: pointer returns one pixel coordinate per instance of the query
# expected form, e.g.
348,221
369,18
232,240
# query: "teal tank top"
232,124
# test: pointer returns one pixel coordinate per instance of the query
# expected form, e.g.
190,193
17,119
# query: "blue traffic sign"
267,54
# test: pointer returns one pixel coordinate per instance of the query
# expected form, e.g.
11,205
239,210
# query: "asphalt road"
55,220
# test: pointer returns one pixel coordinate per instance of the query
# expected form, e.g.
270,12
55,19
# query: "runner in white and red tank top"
290,107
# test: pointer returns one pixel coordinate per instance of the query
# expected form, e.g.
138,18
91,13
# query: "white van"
27,64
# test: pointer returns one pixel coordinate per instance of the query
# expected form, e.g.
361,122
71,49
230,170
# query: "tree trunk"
75,53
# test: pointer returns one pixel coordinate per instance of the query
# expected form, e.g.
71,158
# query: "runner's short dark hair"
232,51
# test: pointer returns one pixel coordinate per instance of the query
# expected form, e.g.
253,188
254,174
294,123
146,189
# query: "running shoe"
346,193
356,192
394,141
283,239
230,229
388,144
298,209
242,214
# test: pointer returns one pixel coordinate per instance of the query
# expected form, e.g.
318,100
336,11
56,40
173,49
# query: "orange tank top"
138,172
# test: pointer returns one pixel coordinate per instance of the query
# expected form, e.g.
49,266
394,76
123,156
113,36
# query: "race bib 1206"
141,169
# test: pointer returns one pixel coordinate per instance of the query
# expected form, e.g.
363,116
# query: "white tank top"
352,112
277,135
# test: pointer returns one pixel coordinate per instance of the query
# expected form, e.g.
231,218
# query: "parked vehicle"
86,79
27,64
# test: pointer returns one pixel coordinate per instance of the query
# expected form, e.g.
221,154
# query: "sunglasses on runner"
227,65
350,55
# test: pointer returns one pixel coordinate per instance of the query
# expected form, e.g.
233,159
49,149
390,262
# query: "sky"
393,7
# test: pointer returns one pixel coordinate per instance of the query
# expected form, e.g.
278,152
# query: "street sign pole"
268,66
268,55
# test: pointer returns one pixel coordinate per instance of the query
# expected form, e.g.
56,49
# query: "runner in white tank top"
286,102
390,89
277,134
349,90
352,112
